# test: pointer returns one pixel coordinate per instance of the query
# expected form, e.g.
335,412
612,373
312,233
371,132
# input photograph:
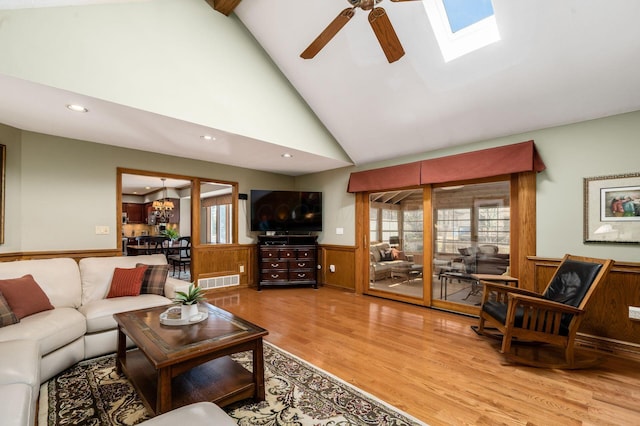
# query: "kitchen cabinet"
134,211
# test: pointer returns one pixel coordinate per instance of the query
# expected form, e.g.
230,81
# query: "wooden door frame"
196,244
522,236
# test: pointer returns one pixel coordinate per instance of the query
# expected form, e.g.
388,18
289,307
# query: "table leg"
258,370
163,392
121,351
443,283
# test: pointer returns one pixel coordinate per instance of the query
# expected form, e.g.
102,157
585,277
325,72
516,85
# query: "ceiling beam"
223,6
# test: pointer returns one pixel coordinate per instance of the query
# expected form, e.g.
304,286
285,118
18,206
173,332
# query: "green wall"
572,152
58,190
177,58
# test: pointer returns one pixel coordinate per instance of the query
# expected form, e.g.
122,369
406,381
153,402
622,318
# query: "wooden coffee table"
177,365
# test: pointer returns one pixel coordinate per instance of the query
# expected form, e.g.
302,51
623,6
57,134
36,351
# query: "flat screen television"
286,211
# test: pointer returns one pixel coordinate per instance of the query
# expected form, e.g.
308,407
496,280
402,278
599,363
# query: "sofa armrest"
20,361
172,285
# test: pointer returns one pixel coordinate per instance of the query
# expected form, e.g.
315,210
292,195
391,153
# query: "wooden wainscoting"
74,254
344,260
606,325
210,261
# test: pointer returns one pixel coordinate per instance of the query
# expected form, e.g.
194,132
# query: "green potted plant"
171,233
189,300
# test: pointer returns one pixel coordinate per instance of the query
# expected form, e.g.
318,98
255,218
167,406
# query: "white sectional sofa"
19,382
80,326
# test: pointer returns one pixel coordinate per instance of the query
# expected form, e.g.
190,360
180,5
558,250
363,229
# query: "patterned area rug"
297,393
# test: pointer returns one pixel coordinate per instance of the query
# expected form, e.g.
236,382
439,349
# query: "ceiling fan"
380,24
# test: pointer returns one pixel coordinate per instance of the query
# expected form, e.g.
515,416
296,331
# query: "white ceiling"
558,62
142,185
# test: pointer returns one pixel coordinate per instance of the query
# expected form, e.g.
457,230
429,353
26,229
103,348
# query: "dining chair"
159,244
182,258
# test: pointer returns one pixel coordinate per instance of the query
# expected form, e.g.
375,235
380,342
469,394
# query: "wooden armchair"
552,317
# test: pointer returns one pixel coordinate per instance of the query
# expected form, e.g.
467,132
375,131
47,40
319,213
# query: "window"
397,242
217,214
471,235
373,225
389,224
462,26
412,233
218,224
464,13
453,229
494,226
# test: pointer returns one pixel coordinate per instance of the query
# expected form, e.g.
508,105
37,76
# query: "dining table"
140,249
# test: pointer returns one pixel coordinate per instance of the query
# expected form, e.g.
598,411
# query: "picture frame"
3,155
612,209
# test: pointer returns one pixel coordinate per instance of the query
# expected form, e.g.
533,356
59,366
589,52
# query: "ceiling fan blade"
328,33
386,34
223,6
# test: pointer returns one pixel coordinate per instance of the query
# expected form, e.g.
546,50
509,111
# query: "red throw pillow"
398,254
25,296
126,282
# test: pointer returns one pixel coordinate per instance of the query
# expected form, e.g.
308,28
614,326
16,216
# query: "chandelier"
163,209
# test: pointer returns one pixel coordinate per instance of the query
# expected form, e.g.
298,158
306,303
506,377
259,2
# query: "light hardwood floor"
430,363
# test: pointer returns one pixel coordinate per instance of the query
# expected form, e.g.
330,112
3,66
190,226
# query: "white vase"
188,311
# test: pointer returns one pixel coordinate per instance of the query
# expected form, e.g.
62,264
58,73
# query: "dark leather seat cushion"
569,286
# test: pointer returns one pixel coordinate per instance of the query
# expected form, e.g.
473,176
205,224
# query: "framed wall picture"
3,155
612,209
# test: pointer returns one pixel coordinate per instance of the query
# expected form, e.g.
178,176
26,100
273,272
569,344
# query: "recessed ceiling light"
208,138
147,187
287,155
77,108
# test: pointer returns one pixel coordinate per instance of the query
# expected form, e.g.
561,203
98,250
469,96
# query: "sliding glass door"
468,233
471,236
396,242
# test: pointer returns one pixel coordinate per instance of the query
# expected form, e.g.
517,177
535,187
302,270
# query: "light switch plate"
634,313
102,230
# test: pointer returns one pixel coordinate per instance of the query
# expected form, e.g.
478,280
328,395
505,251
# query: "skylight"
462,26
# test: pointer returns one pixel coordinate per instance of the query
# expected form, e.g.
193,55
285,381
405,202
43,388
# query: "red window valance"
515,158
385,178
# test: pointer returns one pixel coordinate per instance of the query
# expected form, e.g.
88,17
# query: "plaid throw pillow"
7,317
154,279
126,282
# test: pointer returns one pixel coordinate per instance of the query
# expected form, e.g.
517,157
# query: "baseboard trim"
609,346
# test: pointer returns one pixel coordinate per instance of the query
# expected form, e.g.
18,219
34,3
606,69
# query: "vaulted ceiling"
557,62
